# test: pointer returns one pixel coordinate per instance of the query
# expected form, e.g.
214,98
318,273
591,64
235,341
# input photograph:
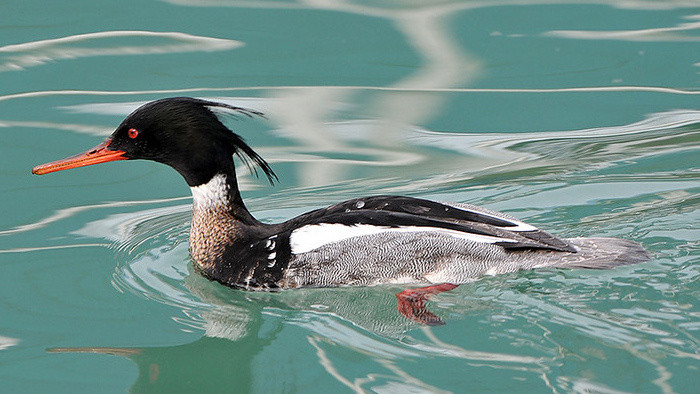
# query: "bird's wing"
372,215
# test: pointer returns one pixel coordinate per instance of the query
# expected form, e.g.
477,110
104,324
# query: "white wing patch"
308,238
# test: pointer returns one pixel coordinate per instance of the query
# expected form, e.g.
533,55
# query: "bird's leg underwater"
411,303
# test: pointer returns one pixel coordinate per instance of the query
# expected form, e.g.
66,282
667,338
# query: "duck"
365,241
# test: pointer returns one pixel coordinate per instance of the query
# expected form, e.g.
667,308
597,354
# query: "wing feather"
404,212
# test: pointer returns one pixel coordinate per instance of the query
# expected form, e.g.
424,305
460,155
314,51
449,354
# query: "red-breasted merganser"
360,242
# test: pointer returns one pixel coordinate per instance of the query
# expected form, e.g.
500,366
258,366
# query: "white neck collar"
212,194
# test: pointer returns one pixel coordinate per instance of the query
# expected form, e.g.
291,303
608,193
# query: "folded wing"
372,215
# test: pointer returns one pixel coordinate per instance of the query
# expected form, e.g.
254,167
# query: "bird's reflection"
208,364
239,325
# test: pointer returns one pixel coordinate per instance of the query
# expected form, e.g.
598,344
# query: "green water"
581,118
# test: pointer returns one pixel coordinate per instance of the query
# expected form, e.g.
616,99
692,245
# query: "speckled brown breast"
211,232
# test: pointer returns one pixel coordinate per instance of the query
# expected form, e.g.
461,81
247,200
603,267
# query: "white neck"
211,195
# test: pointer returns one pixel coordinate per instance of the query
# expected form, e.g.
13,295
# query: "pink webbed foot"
411,303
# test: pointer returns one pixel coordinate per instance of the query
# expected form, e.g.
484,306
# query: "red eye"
133,133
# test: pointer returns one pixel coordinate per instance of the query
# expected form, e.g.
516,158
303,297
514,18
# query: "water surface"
580,117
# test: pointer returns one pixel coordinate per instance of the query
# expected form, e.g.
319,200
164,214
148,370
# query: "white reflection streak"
304,113
440,6
666,200
328,366
456,351
7,342
656,34
80,128
445,65
356,385
68,212
586,323
334,328
327,326
122,226
583,89
604,329
493,145
39,248
493,358
36,53
410,380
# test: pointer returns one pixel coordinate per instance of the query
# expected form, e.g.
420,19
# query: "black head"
182,132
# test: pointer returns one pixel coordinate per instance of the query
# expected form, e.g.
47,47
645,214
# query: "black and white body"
360,242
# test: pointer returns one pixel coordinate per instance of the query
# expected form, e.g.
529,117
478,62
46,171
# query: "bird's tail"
602,253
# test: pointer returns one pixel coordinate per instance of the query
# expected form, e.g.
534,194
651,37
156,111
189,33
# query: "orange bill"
98,154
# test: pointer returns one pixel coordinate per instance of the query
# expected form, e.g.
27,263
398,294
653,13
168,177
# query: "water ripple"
66,213
664,34
581,89
35,53
7,342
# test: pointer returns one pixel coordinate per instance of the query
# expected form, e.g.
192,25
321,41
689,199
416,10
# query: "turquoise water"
581,118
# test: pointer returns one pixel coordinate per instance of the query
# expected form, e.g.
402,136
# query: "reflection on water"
480,106
323,151
669,34
19,56
7,342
